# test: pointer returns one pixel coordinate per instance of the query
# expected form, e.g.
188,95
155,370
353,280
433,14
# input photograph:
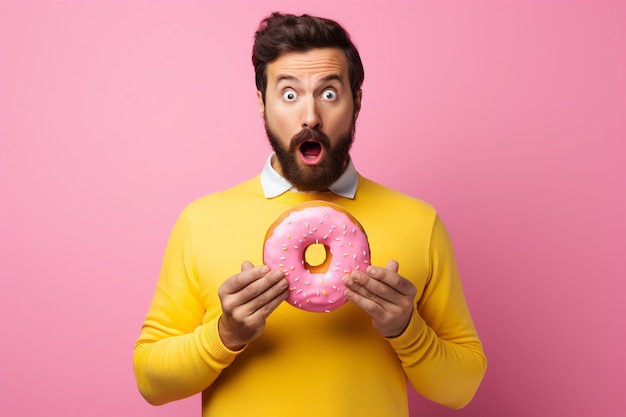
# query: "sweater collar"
274,184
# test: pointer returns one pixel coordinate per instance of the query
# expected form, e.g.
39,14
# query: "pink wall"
506,115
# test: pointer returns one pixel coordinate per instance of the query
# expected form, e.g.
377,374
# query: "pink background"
508,116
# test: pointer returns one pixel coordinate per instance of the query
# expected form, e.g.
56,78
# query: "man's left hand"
383,294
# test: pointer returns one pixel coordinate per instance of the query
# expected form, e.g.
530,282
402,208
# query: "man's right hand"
248,299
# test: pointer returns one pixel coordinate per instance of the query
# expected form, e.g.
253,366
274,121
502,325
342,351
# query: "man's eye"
289,95
329,94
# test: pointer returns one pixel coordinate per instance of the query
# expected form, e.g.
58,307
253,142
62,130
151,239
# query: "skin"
310,89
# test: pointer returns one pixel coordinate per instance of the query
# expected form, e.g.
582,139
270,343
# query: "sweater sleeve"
178,354
440,350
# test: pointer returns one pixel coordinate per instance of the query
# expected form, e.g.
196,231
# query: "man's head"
308,76
282,33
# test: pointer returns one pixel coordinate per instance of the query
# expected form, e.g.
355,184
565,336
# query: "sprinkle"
324,293
299,292
281,265
306,225
285,247
295,246
350,244
364,253
345,254
282,258
325,237
292,288
297,279
307,282
288,236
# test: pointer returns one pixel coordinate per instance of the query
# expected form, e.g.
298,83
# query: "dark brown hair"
282,33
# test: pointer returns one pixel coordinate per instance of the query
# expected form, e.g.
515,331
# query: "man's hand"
383,294
247,299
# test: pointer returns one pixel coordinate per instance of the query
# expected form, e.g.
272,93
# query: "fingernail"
346,280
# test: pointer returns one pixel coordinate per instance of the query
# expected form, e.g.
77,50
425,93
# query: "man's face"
309,116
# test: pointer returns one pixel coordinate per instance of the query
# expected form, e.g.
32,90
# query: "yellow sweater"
306,364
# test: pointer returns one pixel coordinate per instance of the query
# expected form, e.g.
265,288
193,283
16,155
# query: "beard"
312,177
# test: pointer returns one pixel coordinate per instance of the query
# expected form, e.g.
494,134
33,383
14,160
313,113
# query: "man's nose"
311,116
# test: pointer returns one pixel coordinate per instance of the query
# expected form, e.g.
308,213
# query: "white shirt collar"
274,184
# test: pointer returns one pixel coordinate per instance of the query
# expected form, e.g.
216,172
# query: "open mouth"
310,152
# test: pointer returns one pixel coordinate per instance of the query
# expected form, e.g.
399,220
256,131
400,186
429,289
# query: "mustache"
307,134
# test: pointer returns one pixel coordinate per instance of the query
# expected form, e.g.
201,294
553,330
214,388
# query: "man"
218,324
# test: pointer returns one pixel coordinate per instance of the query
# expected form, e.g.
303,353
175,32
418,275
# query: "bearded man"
218,323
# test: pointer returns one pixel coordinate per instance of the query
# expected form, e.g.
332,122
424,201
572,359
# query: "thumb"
245,265
392,265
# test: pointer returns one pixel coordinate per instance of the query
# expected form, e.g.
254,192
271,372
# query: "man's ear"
357,104
259,96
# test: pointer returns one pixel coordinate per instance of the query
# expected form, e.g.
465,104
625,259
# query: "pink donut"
316,288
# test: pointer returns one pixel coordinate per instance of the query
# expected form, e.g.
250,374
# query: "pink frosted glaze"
285,248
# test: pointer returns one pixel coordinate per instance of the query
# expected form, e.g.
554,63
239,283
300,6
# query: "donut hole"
317,258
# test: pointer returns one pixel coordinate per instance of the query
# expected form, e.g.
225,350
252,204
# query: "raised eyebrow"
332,77
327,78
289,78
